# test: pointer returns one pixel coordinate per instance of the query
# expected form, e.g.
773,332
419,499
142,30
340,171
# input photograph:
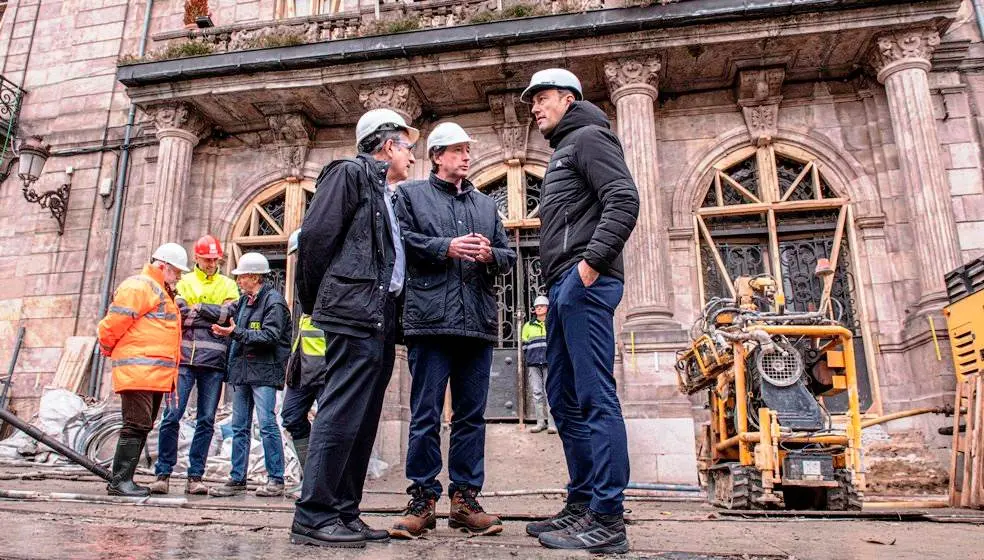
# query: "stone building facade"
767,130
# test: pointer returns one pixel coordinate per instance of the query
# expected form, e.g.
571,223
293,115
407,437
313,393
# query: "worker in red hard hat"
205,298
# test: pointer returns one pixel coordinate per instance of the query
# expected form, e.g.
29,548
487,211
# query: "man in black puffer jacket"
456,245
588,209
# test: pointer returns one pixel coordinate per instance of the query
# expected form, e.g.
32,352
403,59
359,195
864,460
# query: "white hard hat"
552,78
447,134
541,300
252,263
172,254
372,120
293,241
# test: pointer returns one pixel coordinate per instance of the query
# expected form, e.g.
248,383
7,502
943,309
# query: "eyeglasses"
403,144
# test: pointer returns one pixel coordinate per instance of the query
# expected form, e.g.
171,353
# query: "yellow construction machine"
770,442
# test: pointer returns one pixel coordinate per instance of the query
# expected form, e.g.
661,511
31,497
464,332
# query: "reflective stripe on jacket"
309,348
202,301
141,333
534,338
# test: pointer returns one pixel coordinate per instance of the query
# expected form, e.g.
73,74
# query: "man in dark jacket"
349,278
456,245
588,210
205,297
258,356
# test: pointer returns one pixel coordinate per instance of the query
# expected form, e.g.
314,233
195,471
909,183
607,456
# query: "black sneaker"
372,535
562,520
596,533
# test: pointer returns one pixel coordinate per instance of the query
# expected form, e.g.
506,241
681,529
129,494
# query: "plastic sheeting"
93,430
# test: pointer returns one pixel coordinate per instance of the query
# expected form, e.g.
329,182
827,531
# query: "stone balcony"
384,19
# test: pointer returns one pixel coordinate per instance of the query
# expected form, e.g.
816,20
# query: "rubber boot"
551,427
124,465
541,418
301,449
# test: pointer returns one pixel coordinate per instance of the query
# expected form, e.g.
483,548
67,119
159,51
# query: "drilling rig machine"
770,442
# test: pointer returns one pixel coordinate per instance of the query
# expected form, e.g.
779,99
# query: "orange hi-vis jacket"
141,333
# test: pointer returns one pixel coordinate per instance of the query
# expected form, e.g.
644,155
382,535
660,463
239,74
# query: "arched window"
265,225
771,211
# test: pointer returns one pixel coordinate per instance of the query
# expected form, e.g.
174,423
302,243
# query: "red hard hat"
208,247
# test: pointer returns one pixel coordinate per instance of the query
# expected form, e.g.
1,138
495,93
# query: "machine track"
845,497
733,486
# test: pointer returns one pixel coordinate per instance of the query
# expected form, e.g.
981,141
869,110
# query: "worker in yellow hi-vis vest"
305,378
534,336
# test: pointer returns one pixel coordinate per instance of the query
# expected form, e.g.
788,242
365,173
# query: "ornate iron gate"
515,293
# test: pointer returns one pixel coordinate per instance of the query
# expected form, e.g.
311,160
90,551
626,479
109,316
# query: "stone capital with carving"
399,96
293,132
759,96
511,121
899,50
633,75
178,119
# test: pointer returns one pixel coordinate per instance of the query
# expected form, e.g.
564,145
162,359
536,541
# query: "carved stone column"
632,83
902,61
179,127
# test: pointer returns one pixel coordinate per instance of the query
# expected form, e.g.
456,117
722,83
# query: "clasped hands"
473,247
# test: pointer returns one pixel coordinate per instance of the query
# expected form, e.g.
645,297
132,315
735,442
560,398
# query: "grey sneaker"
272,489
231,488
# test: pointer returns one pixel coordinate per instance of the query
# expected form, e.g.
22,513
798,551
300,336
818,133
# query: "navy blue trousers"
581,389
294,412
466,363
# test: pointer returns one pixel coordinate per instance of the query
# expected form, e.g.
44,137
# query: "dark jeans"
139,410
297,404
344,429
467,363
209,382
581,389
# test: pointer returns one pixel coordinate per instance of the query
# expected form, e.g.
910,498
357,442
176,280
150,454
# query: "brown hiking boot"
419,517
159,486
467,514
196,487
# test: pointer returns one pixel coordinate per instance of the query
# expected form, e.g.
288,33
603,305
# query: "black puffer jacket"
447,296
589,203
345,256
261,341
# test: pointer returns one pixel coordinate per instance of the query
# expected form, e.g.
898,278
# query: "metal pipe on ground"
58,446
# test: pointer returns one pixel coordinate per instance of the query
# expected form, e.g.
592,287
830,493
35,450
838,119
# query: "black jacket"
345,255
447,296
261,341
589,202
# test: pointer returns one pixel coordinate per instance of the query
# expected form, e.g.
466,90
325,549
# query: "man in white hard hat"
350,276
534,338
258,356
456,245
306,375
588,210
141,334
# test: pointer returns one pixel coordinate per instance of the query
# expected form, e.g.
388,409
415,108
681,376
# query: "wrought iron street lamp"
33,154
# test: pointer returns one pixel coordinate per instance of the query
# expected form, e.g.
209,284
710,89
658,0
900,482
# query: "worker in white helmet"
258,356
534,339
456,245
587,213
350,272
141,334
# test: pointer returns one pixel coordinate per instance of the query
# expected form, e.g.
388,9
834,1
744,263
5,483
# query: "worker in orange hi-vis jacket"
141,334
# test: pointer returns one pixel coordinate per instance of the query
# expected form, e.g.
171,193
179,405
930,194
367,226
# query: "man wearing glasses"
350,273
456,245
